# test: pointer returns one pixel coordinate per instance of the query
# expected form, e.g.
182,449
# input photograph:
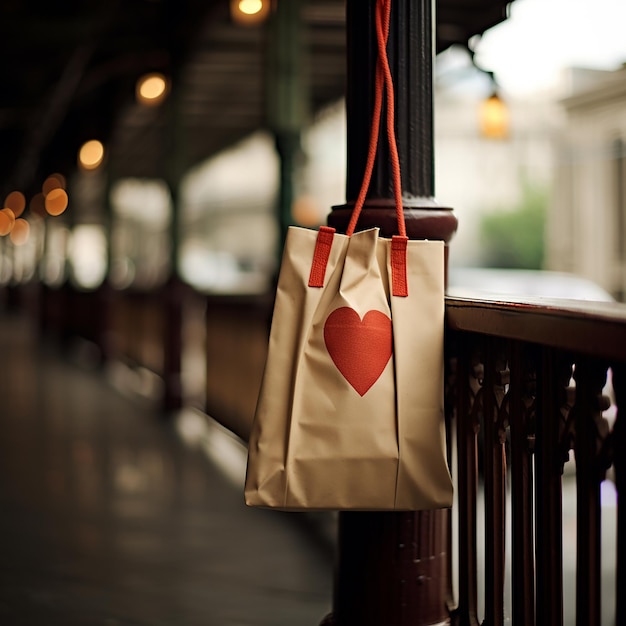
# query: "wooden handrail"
583,327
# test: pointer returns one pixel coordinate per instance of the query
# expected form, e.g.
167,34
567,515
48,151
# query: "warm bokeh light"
494,118
56,202
20,232
37,205
16,202
54,181
250,7
151,89
91,154
7,221
306,212
249,12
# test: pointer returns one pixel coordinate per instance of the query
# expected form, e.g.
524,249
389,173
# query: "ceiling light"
493,113
151,89
16,202
494,118
54,181
91,154
56,201
249,12
7,221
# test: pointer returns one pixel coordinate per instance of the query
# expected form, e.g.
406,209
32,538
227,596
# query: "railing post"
174,164
552,383
288,102
392,568
590,377
619,434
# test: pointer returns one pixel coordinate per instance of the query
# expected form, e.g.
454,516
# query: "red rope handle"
384,81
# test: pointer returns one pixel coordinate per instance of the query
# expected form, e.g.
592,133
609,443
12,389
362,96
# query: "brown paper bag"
350,412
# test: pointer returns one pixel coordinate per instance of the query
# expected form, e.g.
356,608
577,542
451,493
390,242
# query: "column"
393,568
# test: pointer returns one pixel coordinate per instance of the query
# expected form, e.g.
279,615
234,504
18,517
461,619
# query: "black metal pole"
287,102
411,52
393,568
410,46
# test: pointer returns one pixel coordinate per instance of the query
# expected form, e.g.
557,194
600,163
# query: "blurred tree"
514,238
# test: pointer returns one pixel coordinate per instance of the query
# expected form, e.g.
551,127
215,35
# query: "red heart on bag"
359,348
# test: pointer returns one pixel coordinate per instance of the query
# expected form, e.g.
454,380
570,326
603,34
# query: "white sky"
541,37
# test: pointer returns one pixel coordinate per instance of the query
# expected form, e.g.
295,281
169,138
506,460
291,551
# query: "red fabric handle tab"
323,244
399,282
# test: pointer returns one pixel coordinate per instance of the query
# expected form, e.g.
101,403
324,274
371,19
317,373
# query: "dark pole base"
426,220
393,569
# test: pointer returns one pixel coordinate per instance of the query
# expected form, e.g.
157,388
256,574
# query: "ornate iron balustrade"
526,380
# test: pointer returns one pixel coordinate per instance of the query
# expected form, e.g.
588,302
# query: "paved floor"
108,519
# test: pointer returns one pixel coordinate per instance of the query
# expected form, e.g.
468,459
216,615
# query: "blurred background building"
586,232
